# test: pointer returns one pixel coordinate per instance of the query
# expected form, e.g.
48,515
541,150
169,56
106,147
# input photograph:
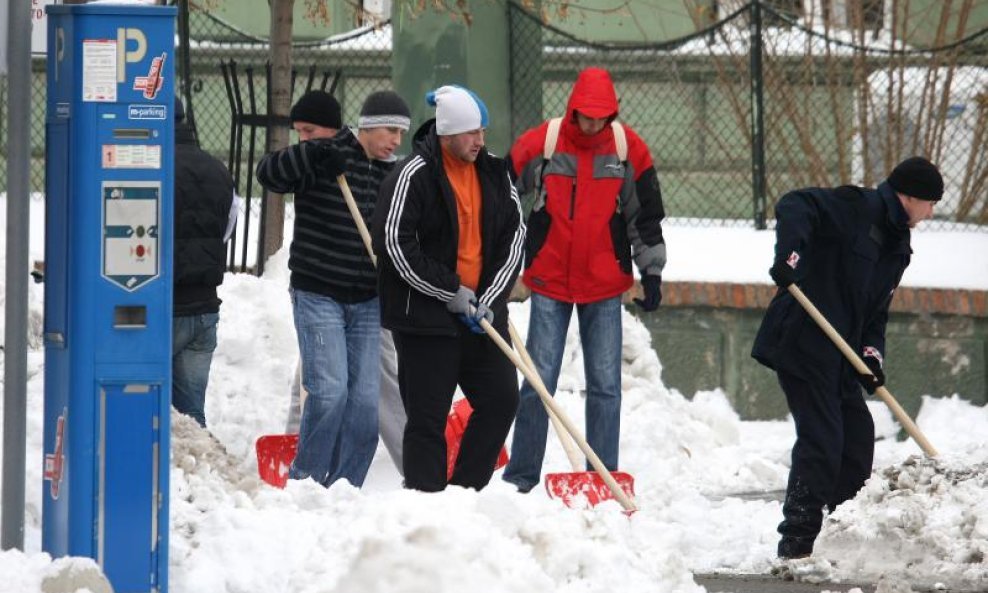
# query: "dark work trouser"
832,457
429,369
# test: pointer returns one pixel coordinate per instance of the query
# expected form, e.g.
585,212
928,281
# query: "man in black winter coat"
846,249
204,209
449,235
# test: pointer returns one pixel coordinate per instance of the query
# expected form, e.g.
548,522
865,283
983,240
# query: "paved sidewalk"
763,583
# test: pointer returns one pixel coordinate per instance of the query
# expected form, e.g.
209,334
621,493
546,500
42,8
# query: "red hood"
593,95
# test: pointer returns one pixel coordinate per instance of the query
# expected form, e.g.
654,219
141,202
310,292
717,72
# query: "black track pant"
832,457
429,369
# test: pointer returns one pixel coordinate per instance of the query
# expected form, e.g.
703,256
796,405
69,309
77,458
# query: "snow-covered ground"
916,521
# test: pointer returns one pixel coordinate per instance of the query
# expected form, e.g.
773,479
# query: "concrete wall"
937,344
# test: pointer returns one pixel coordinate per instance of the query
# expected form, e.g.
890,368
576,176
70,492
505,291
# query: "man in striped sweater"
333,286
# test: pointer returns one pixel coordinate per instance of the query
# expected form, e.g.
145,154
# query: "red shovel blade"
456,423
275,453
586,489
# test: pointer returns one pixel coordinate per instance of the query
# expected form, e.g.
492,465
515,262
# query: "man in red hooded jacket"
594,212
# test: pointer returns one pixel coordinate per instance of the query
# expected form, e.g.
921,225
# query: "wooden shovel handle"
533,379
859,365
575,459
357,216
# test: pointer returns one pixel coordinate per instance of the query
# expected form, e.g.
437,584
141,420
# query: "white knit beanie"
458,110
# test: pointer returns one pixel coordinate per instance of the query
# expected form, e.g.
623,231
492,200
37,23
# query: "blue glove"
471,323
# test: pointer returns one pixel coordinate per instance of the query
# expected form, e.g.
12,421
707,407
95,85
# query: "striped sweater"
327,255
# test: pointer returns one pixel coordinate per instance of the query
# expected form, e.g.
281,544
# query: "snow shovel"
579,485
605,475
275,452
859,365
456,424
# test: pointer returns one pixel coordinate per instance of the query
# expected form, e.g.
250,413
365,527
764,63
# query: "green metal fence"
361,60
352,66
836,107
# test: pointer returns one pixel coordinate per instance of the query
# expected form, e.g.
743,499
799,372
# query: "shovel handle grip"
533,379
886,396
575,460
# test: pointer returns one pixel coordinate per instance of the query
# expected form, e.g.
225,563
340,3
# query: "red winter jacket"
592,212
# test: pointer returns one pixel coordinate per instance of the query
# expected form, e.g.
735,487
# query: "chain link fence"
352,65
228,79
836,105
733,128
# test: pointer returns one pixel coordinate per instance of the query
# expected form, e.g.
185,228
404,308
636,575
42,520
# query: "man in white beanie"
333,286
449,237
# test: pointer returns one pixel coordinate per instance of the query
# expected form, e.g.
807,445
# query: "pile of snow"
690,457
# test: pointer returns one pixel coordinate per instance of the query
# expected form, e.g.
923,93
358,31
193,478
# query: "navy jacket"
853,247
416,237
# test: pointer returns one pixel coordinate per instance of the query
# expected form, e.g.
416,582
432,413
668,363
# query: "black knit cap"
918,178
384,109
317,107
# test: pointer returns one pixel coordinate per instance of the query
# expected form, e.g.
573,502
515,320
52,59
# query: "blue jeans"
193,343
340,346
600,337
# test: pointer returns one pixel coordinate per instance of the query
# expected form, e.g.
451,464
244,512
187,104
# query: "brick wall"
946,301
937,344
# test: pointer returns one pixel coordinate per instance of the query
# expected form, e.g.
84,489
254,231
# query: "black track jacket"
416,236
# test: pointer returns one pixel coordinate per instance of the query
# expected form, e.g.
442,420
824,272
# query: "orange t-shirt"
463,178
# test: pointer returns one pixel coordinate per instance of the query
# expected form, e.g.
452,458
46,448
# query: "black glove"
783,272
329,160
877,377
652,287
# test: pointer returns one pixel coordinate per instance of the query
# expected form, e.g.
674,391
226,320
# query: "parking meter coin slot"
132,133
130,317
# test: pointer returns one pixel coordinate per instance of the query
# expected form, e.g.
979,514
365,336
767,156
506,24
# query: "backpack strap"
549,148
620,141
551,137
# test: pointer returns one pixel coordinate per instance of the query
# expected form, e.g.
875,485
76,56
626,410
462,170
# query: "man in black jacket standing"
449,235
203,212
334,287
846,248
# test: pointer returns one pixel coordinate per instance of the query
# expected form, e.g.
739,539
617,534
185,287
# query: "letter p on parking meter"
108,288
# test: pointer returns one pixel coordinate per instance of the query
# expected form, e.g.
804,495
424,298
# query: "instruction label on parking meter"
130,232
99,70
131,156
